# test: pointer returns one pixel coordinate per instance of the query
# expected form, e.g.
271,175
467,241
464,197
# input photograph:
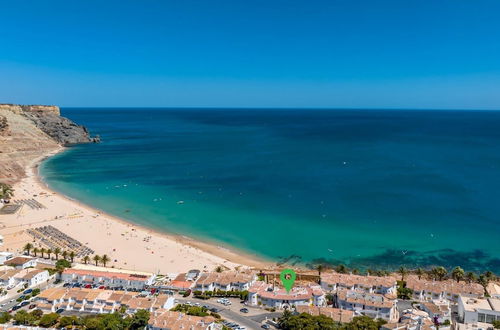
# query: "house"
369,304
4,256
425,290
263,294
163,319
225,281
180,283
7,277
437,312
21,262
331,282
472,310
337,314
99,301
493,290
32,276
107,278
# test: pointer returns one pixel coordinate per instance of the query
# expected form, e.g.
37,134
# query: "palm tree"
96,258
471,277
104,259
6,191
439,272
457,274
219,269
320,268
64,254
419,272
72,255
403,271
28,247
35,251
355,271
86,259
57,251
342,269
49,252
42,251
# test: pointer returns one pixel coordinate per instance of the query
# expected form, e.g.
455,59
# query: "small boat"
180,202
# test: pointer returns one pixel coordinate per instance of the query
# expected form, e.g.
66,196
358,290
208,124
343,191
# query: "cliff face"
28,132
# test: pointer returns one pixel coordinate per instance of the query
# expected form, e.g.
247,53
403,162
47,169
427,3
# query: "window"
481,317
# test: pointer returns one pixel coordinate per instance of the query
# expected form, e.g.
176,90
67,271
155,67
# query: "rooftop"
17,261
93,273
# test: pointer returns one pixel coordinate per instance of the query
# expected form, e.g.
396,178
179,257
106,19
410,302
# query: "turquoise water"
368,188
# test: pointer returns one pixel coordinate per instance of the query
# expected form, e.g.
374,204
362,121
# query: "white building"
472,311
4,256
164,319
369,304
331,282
225,281
493,290
32,276
21,262
263,294
108,279
7,277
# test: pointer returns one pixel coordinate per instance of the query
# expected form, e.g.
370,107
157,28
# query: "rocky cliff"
28,132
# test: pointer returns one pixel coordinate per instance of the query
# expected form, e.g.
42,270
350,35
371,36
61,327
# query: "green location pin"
287,277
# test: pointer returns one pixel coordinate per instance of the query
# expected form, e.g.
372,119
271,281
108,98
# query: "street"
232,313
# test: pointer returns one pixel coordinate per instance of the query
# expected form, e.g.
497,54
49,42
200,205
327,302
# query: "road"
226,313
10,299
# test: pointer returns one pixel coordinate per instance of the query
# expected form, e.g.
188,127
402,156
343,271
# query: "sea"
367,188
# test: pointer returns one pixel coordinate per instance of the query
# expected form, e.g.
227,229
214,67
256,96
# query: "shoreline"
206,254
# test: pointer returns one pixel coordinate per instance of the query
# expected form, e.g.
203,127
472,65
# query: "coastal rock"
61,129
28,132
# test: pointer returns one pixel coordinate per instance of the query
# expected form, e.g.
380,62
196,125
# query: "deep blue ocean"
367,188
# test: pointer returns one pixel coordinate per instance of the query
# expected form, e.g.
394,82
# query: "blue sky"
337,53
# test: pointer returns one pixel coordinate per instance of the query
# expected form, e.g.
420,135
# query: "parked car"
88,286
24,303
215,310
265,326
28,291
32,306
60,310
244,310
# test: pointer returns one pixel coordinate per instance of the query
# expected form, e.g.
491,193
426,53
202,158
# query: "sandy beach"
129,246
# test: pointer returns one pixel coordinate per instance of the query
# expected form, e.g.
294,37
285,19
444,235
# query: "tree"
35,251
96,258
24,318
6,191
403,271
49,252
42,251
49,320
439,273
28,247
364,323
65,254
104,259
57,251
457,274
72,256
139,320
470,277
86,259
319,268
355,271
68,321
5,317
496,324
219,269
419,272
342,269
